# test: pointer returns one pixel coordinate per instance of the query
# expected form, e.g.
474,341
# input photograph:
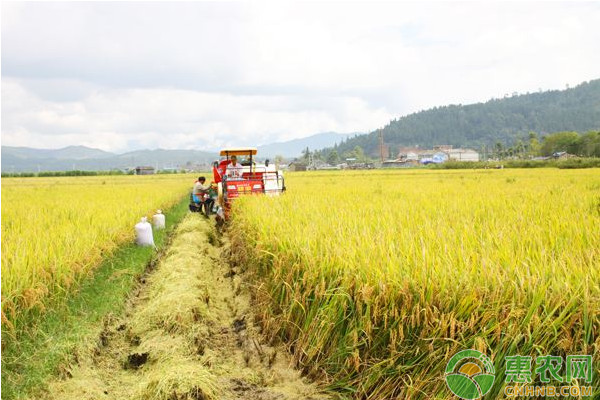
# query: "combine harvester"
250,179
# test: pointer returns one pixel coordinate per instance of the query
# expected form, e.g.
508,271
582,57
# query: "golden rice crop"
56,230
378,278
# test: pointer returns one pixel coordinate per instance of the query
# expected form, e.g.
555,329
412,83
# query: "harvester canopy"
239,151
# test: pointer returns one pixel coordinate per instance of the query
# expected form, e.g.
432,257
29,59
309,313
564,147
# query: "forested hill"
499,120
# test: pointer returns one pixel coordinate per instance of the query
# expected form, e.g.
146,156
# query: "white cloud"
117,119
200,75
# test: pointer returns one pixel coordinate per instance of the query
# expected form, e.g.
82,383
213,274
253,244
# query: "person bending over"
201,195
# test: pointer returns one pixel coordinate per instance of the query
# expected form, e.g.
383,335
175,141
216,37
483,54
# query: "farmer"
201,195
234,169
199,188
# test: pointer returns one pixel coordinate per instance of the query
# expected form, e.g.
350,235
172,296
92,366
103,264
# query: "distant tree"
519,149
534,144
590,144
359,154
278,160
499,150
306,154
348,154
333,158
561,141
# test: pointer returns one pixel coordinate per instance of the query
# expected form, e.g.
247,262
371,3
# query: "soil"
188,333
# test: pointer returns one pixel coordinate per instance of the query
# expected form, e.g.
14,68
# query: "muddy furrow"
188,333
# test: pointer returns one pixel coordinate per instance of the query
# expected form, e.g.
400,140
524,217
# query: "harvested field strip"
189,333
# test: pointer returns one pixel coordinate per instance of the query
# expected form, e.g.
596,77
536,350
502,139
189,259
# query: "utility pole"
381,145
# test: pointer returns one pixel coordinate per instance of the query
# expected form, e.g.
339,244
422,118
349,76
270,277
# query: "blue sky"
122,76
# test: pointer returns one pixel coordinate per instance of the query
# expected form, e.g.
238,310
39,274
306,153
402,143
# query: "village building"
144,170
438,154
297,166
462,154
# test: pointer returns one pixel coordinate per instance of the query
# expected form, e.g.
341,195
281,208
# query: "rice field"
375,279
56,230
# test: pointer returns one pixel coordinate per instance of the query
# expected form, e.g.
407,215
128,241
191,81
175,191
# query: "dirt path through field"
188,334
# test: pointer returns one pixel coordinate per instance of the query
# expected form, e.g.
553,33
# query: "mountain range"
26,159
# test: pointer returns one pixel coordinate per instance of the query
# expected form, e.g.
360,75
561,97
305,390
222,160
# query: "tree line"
533,145
581,145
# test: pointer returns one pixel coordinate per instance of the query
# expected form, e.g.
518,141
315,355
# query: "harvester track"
188,333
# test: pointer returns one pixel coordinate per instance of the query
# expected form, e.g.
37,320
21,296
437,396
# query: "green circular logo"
470,374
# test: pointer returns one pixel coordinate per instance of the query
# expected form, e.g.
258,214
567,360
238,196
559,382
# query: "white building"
441,153
462,154
411,156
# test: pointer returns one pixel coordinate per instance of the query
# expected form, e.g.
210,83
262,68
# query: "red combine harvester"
245,178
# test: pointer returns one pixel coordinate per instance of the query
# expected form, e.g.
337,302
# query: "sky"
121,76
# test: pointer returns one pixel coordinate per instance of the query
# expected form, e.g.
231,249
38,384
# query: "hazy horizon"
216,149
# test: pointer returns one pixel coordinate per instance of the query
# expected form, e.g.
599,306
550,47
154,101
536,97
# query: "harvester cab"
245,177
